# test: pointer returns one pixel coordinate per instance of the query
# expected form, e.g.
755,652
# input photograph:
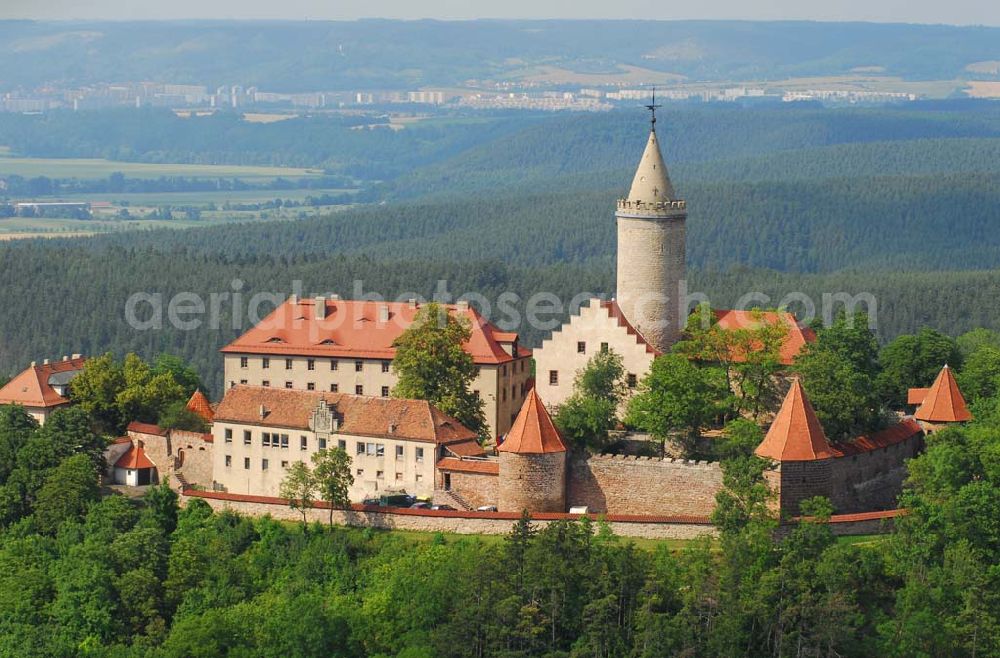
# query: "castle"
320,346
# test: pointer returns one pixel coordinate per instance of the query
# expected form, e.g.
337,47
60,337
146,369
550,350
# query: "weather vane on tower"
652,110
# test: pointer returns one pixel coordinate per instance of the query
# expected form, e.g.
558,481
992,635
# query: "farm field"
90,168
203,198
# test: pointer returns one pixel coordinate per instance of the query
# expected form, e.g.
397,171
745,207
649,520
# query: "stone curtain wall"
619,484
871,480
194,457
477,489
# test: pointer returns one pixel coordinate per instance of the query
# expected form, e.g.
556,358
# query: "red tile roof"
134,458
356,329
146,428
890,436
794,341
944,402
415,420
485,467
200,405
466,449
916,395
533,431
32,387
796,434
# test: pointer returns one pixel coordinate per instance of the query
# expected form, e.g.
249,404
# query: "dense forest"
86,575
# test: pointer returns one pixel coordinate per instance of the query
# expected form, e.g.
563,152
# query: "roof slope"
33,386
415,420
200,405
134,458
533,431
796,434
651,183
902,431
358,329
916,395
795,339
944,402
615,313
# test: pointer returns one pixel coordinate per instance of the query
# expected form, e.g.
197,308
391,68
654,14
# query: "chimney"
34,364
383,313
77,356
334,297
293,298
412,303
320,304
65,358
462,305
45,362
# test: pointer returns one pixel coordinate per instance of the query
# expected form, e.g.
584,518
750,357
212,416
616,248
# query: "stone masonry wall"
872,480
617,484
536,483
477,489
194,457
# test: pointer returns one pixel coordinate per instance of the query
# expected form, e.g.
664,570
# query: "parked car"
444,507
397,500
420,505
487,508
370,502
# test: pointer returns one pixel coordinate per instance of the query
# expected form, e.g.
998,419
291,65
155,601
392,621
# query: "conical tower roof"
200,405
533,431
944,402
796,434
652,182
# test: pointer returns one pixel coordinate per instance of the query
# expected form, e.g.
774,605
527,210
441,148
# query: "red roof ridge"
146,428
31,386
533,431
200,404
134,458
796,434
944,402
615,313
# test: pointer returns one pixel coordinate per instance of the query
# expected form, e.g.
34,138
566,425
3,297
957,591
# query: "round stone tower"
532,462
651,250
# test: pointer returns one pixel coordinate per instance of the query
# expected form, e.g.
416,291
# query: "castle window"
263,464
311,364
342,445
359,366
246,463
288,364
232,384
229,435
359,389
247,438
243,382
360,472
288,384
604,347
581,347
399,476
385,391
380,474
244,362
399,452
503,395
229,461
360,448
284,440
419,477
266,383
303,443
380,450
632,380
553,378
333,364
420,454
311,386
266,440
265,363
284,463
385,366
322,444
334,388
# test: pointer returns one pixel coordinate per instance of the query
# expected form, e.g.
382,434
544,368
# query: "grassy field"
203,198
85,168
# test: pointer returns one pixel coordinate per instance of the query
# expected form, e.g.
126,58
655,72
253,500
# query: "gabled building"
344,346
394,444
43,388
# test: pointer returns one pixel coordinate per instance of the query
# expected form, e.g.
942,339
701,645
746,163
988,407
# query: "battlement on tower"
651,207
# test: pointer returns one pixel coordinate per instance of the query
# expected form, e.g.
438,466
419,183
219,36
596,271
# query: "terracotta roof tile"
796,434
356,329
466,449
415,420
200,405
916,395
486,467
33,386
795,340
944,402
146,428
902,431
134,458
533,431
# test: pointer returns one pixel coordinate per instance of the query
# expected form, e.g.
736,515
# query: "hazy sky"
962,12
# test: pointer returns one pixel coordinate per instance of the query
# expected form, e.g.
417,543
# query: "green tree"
67,492
95,389
678,397
16,427
431,364
839,372
592,410
299,488
979,377
740,438
161,507
181,372
146,394
914,360
332,476
176,415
